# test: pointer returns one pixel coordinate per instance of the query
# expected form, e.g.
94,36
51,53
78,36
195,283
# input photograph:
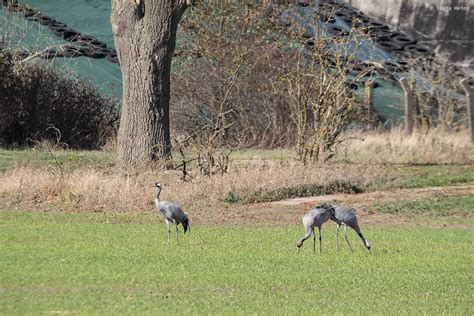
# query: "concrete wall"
447,26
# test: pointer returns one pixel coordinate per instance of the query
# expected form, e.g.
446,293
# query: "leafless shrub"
316,88
230,47
238,47
438,102
208,146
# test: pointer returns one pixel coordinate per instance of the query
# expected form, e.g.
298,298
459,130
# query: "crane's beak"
185,227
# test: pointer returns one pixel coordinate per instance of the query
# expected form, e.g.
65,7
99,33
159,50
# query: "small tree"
316,87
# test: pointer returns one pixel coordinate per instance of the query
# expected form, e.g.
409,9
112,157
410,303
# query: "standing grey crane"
171,212
315,217
345,216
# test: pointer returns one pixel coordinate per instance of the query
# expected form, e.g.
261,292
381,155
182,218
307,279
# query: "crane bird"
171,212
346,217
315,217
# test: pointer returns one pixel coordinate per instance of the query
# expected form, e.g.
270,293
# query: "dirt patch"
289,212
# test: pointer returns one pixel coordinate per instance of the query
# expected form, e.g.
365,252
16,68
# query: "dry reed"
92,190
435,146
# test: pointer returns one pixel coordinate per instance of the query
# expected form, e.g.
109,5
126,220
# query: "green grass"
67,159
117,264
71,159
440,206
434,176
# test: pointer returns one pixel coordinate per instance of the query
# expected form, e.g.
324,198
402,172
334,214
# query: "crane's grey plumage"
315,217
346,216
171,212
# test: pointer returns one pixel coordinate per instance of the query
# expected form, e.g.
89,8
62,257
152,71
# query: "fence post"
469,89
369,99
408,87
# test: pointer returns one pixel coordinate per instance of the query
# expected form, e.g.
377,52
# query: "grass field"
42,158
433,175
440,206
90,263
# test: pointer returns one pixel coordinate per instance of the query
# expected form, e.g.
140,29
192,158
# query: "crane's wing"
172,212
346,215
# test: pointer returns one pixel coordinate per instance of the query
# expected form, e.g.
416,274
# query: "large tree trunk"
145,36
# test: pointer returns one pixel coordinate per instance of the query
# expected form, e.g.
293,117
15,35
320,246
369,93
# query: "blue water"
92,17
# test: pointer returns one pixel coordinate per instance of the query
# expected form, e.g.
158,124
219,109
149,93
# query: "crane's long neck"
306,236
364,241
158,195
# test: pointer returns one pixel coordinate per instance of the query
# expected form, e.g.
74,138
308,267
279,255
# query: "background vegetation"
39,103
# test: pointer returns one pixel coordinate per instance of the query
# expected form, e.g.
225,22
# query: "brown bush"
38,102
231,75
438,96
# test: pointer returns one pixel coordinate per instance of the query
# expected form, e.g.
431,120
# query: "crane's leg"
345,236
337,237
168,224
177,240
314,241
320,243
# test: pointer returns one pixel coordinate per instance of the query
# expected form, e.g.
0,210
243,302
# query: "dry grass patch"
95,190
431,147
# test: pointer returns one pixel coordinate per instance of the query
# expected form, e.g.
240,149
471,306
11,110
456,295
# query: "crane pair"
316,217
319,215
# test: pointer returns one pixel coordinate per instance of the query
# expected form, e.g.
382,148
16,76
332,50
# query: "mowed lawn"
111,264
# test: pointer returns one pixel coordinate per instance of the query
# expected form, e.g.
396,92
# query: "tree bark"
145,36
